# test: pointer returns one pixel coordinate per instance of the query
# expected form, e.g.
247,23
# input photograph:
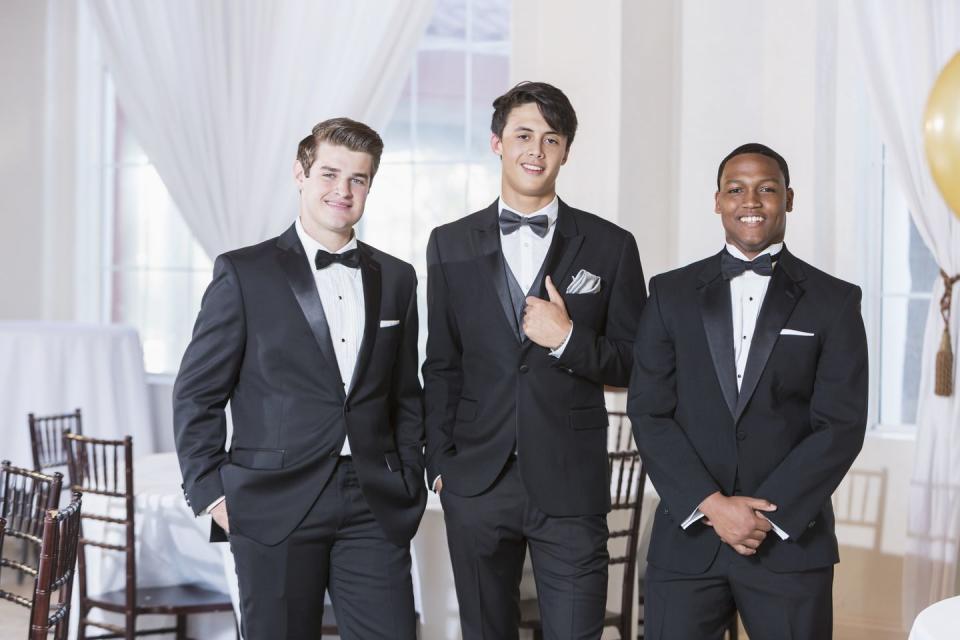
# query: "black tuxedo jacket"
488,391
788,436
262,342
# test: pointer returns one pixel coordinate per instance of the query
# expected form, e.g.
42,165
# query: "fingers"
744,550
763,524
553,293
759,504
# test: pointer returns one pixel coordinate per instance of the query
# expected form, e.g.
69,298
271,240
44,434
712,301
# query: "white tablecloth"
53,368
939,621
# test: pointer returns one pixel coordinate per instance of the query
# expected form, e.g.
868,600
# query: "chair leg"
131,624
181,626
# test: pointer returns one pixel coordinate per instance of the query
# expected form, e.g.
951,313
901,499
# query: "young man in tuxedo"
532,309
749,404
312,337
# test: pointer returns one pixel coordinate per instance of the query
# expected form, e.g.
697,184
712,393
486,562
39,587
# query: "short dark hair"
763,150
554,106
343,132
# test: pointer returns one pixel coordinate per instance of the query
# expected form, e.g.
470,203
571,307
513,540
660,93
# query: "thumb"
553,293
761,505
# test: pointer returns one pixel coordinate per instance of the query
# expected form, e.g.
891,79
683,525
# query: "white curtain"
220,92
905,45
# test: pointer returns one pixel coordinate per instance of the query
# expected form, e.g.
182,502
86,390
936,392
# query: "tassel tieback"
943,380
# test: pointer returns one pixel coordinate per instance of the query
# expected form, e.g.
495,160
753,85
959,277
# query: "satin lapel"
370,272
564,248
718,325
295,266
778,303
489,255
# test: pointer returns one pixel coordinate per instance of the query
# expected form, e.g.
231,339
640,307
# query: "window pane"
163,306
448,21
441,100
907,264
489,80
386,220
490,20
901,345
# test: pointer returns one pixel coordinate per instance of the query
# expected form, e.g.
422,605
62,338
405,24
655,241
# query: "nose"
344,187
536,150
752,200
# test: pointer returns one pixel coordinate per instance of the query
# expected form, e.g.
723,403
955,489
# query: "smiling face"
333,195
531,155
753,202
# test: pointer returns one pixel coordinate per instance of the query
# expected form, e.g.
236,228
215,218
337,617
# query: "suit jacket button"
741,435
811,524
524,368
346,408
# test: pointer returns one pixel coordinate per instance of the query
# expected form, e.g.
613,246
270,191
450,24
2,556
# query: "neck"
523,203
331,240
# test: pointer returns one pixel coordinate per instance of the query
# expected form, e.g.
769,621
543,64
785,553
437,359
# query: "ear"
298,174
496,145
566,154
789,199
716,202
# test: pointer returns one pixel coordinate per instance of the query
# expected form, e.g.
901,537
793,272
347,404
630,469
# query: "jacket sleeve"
407,395
677,472
204,384
442,372
608,357
806,478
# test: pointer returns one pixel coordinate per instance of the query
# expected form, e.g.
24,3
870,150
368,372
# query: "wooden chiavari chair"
105,468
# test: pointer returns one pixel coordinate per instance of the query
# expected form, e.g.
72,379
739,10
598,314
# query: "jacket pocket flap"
393,460
466,410
258,458
591,418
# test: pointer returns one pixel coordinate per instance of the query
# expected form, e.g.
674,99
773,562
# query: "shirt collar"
311,246
551,210
773,250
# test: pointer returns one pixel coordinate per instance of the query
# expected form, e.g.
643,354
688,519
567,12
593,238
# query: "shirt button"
343,339
751,298
744,337
739,375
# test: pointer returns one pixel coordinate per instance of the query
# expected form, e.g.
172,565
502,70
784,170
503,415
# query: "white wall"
37,159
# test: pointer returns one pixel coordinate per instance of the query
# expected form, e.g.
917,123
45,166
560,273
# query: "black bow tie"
348,259
732,267
510,222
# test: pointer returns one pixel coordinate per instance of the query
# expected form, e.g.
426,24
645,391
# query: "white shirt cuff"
556,353
214,504
780,532
693,517
434,486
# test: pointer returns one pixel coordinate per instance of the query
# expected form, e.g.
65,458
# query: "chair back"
53,579
25,498
628,479
46,438
58,561
104,468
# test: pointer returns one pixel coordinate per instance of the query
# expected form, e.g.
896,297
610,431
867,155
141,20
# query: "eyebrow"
766,179
335,170
525,128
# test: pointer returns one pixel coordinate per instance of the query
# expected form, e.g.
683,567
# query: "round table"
938,621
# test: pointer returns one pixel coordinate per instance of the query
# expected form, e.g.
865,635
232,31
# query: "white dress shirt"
525,251
747,292
341,293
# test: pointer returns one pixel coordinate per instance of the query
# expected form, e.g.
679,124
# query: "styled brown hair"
343,132
554,106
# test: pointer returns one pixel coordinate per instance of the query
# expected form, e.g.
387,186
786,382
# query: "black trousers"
340,546
772,606
488,536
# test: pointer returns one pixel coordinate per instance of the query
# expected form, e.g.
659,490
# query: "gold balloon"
941,129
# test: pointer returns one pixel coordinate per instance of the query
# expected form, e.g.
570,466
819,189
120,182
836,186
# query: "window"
437,166
907,272
154,270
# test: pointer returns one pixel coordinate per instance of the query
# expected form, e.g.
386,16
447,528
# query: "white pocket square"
388,323
794,332
584,282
